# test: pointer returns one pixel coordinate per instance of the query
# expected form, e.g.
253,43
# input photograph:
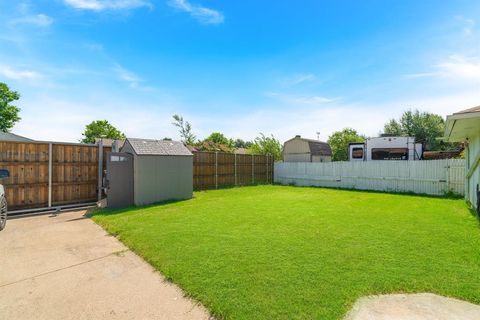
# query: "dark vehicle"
3,201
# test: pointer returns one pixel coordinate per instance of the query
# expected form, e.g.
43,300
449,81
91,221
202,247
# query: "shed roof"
158,147
8,136
317,147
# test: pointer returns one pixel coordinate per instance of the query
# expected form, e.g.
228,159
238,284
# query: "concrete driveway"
67,267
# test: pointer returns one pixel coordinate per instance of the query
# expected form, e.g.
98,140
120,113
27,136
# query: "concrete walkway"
420,306
67,267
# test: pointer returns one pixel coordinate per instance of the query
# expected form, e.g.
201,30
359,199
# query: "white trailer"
386,148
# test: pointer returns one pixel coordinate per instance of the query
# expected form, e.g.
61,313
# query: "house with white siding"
464,126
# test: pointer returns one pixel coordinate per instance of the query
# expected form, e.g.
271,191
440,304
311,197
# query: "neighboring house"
300,149
162,170
191,148
194,149
240,151
8,136
385,147
464,126
210,146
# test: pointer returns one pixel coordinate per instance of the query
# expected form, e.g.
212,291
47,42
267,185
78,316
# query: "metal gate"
119,180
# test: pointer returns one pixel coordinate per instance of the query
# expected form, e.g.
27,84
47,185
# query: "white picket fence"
434,177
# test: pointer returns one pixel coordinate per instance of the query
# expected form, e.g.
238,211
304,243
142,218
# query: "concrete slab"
422,306
67,267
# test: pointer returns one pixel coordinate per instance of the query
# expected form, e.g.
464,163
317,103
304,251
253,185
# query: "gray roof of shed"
8,136
319,148
158,147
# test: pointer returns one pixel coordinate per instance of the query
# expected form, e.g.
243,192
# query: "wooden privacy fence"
212,170
49,174
435,177
46,174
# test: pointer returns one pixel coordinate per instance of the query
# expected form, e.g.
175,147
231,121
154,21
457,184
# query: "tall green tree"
393,127
426,127
219,138
185,129
100,129
239,143
266,145
216,141
339,141
8,112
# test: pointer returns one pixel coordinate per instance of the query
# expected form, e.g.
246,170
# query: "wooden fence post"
266,172
216,170
253,169
50,156
100,170
235,168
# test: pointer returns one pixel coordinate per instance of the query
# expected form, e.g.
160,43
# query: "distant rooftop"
241,151
8,136
470,110
317,147
158,147
109,142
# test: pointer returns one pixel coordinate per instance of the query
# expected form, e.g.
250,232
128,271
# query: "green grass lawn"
278,252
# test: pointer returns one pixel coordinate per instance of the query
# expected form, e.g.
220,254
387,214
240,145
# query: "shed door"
119,180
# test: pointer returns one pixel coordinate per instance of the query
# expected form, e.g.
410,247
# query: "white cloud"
126,75
40,20
456,67
99,5
202,14
67,117
297,79
11,73
133,80
292,99
307,119
303,78
468,25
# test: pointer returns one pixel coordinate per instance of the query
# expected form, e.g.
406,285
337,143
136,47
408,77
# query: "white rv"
386,148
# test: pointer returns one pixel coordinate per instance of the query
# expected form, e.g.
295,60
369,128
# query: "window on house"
357,153
390,154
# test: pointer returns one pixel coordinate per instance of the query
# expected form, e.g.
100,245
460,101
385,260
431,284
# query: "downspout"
467,184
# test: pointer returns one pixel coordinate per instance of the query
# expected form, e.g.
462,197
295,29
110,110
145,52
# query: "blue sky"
239,67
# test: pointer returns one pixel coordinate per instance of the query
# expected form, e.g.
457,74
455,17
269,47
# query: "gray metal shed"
162,170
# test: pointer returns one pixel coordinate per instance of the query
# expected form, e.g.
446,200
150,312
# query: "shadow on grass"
473,211
113,211
109,211
449,195
232,186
